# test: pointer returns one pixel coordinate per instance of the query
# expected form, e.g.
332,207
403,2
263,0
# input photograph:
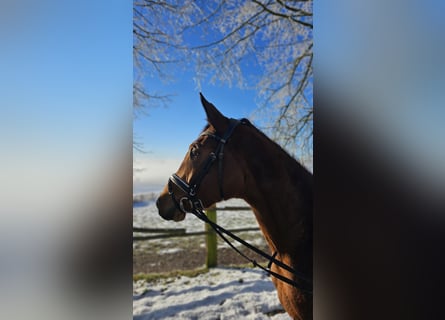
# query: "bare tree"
277,37
225,38
157,45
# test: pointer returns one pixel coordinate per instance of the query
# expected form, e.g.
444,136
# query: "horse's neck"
280,193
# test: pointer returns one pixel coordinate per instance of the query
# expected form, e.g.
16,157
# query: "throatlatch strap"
271,260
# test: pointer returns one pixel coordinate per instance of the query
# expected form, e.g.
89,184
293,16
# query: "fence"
211,237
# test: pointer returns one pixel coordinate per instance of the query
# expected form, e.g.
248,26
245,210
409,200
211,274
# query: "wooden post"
211,239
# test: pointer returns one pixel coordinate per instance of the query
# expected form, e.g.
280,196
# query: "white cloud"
151,172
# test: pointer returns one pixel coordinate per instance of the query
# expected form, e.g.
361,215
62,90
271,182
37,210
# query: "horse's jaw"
168,210
179,217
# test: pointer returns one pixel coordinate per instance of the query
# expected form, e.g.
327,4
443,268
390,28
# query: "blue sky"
169,130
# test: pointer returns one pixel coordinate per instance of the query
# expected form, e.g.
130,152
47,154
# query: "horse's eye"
194,153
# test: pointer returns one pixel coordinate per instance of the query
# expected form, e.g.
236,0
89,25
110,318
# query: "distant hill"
144,199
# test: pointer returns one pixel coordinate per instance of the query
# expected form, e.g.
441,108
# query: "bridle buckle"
194,204
181,204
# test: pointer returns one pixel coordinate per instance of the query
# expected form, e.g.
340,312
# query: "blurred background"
66,142
379,153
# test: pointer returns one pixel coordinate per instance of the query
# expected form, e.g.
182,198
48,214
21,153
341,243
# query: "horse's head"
210,171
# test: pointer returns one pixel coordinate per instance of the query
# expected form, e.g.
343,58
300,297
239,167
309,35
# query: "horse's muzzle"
167,209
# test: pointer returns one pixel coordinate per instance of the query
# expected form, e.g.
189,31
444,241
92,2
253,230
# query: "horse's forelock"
206,127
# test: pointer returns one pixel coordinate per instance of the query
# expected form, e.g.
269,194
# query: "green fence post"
211,239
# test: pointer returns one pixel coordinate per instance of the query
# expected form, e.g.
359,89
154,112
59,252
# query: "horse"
234,159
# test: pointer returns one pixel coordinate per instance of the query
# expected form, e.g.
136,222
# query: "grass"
177,273
149,277
163,244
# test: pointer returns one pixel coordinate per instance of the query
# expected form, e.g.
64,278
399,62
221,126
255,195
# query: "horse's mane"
286,154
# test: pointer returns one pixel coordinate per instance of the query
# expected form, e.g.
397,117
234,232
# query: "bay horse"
233,159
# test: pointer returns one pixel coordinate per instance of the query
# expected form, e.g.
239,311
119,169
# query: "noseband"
190,189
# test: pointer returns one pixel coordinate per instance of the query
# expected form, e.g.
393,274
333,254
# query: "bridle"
190,189
196,207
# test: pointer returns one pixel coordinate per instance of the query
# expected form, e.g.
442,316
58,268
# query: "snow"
146,215
221,293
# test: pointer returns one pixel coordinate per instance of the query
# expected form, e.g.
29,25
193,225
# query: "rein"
272,260
196,207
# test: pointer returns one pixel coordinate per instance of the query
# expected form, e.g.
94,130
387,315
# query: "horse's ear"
214,117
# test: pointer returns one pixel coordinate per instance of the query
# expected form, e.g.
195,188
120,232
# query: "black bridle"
190,189
196,207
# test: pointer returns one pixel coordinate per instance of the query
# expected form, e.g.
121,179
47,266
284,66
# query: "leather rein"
196,207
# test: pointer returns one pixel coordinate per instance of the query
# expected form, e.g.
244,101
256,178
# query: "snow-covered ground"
222,293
